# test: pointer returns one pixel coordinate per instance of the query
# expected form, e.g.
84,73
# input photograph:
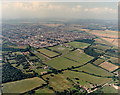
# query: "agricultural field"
44,90
79,56
22,85
80,45
59,83
86,77
61,63
108,89
94,70
48,52
39,56
106,33
108,66
98,61
61,49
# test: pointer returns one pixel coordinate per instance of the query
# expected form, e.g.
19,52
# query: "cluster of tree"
90,51
10,73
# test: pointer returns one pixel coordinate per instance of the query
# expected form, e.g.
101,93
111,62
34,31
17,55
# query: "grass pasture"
79,56
61,63
39,55
94,70
60,49
86,77
80,45
59,83
48,52
22,85
108,66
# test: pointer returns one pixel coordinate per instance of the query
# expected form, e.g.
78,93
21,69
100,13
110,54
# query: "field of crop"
108,66
109,89
60,49
114,60
106,33
59,83
80,45
39,56
79,56
44,90
94,70
32,57
101,47
86,77
61,63
22,85
98,61
48,52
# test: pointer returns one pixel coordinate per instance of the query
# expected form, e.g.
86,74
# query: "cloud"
47,9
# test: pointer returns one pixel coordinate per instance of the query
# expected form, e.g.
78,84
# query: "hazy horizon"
32,10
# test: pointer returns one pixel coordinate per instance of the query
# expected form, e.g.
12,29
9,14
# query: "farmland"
80,45
61,49
44,90
98,61
108,66
61,63
92,70
22,85
59,83
48,52
79,56
39,55
86,77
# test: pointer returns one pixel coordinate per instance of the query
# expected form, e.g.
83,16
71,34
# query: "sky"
70,10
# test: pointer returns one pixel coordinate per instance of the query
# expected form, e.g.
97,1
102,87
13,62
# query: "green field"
78,56
44,90
61,49
98,61
48,52
22,85
94,70
61,63
108,89
59,83
39,55
86,77
32,57
80,45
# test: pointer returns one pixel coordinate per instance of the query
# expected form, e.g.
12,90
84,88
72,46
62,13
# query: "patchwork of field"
106,33
22,85
48,52
94,70
98,61
53,25
79,56
108,66
39,55
75,58
86,77
61,49
61,63
80,45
